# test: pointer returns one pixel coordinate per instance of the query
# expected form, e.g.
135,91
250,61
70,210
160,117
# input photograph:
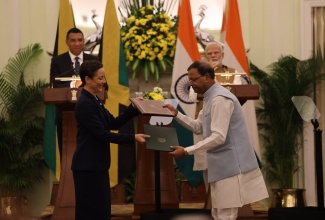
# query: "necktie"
77,66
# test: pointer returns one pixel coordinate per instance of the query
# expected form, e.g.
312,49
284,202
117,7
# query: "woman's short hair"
89,68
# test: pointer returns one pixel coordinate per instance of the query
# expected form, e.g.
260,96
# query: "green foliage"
129,187
21,129
179,176
279,122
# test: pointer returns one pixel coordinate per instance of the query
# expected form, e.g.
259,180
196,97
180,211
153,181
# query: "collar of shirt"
210,90
81,57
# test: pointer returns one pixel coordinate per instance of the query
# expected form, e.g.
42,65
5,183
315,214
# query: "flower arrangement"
149,36
156,94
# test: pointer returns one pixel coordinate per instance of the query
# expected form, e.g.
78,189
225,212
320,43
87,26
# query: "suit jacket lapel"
67,61
102,109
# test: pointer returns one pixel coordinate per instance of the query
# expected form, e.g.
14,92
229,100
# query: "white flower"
157,90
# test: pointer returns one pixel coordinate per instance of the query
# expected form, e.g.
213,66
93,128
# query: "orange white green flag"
235,53
186,53
235,57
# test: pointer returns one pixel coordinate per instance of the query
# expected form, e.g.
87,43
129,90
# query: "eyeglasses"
193,80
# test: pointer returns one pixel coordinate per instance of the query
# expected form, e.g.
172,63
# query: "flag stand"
318,164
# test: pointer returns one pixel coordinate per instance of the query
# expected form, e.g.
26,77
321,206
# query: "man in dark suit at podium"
66,65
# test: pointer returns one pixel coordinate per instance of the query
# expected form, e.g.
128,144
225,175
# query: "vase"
14,207
285,198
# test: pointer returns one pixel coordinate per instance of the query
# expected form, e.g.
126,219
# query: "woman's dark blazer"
94,125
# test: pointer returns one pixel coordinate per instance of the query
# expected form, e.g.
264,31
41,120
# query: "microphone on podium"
64,74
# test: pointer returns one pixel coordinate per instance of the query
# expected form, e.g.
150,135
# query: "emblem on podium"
73,95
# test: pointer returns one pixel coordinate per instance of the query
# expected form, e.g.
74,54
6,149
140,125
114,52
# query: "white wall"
24,22
271,28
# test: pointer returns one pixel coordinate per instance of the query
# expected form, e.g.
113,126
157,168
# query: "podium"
245,92
65,99
144,197
145,192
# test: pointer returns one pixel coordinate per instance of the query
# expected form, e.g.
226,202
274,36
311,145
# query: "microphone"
224,68
62,74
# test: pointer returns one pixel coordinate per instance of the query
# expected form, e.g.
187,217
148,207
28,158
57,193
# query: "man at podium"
66,65
233,172
214,54
91,159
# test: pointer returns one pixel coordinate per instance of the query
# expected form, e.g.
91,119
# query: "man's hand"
170,107
178,152
141,138
214,64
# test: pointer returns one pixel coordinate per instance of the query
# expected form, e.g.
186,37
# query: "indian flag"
186,53
50,147
235,53
113,59
235,56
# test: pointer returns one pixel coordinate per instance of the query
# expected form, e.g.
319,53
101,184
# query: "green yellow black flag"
50,148
113,59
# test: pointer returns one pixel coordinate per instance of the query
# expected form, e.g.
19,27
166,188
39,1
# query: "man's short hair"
219,44
75,31
202,67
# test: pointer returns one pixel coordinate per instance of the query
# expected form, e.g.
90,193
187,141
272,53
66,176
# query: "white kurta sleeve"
221,111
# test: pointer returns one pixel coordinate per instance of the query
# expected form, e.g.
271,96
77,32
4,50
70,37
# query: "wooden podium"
144,197
145,192
245,92
64,99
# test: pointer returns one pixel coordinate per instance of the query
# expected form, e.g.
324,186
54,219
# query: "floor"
124,211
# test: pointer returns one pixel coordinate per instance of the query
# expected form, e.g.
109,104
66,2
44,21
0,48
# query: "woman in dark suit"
91,159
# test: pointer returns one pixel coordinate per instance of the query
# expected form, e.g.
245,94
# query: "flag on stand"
50,147
65,23
235,53
112,55
186,53
235,57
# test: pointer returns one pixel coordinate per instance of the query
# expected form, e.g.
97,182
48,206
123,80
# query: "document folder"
151,107
161,138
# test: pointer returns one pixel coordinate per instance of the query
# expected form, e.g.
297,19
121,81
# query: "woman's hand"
141,138
140,98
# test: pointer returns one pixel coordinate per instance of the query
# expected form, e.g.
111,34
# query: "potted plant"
280,124
21,131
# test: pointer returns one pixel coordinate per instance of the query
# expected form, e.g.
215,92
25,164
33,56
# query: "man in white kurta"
233,173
